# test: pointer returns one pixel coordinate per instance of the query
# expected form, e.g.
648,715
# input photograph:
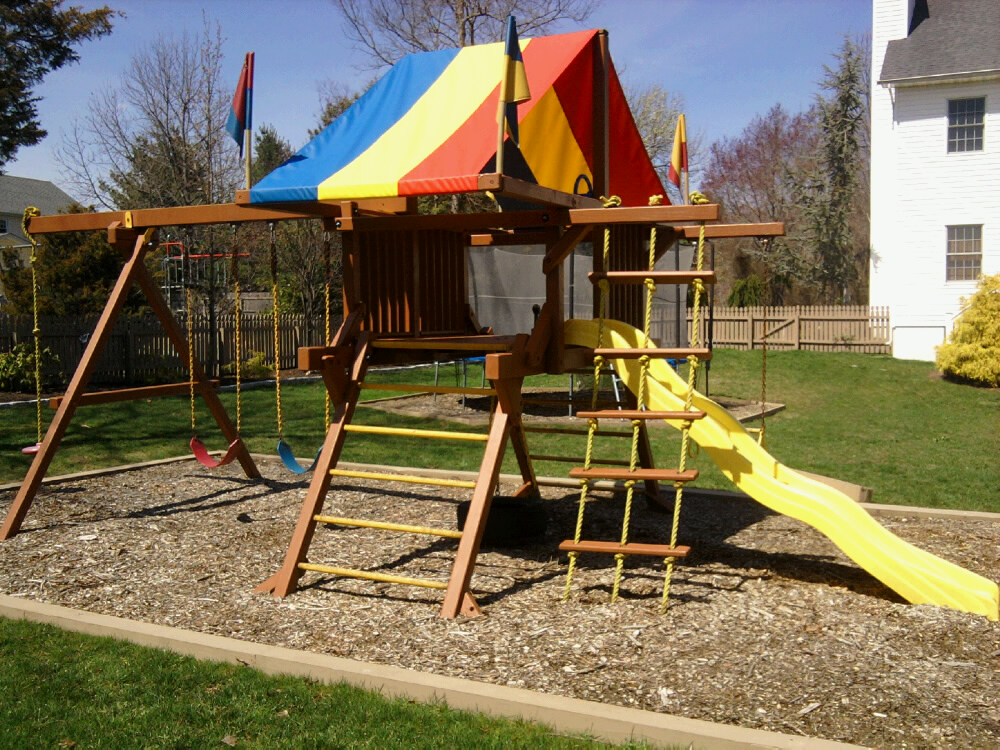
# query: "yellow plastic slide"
918,576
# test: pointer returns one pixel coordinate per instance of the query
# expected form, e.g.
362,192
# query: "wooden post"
458,599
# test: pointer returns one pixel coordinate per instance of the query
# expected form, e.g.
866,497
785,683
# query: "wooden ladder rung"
658,277
656,353
406,478
632,548
369,575
664,475
640,414
580,460
363,523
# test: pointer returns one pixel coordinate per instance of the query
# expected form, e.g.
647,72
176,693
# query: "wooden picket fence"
823,328
138,350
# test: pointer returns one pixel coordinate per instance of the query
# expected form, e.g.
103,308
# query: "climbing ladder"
344,366
640,464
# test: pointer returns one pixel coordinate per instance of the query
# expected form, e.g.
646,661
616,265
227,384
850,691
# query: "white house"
935,172
16,194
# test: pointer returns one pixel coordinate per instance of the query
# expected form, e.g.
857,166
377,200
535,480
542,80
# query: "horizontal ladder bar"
655,352
405,478
632,548
362,523
413,432
663,475
640,414
580,460
657,277
372,576
578,431
416,388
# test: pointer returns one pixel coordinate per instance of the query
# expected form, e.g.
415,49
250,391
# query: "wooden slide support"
134,243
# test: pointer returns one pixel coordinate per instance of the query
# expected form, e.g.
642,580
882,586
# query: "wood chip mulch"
770,625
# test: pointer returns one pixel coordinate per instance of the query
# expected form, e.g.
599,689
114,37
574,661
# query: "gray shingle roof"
958,37
17,193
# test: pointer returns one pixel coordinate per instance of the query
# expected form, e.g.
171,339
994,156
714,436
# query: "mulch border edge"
571,715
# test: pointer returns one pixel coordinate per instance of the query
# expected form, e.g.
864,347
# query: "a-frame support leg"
506,421
202,384
133,271
284,582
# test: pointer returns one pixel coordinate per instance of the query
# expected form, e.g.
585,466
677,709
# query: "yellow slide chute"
918,576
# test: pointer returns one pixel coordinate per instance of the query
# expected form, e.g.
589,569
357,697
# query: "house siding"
918,190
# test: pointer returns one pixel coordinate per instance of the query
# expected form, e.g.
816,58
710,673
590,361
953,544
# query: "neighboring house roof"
17,193
948,40
429,126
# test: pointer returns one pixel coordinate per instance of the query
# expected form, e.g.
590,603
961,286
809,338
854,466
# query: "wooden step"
660,475
632,548
640,414
656,353
578,431
658,277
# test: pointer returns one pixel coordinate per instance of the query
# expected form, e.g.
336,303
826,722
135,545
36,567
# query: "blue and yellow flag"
514,83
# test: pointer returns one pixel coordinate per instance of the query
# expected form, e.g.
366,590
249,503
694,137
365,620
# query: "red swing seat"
207,459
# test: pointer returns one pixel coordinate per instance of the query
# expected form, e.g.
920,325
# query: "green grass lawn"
884,423
66,690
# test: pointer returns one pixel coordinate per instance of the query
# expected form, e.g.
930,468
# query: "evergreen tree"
973,349
829,192
36,38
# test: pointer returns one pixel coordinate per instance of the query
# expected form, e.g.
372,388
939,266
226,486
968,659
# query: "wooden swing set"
405,300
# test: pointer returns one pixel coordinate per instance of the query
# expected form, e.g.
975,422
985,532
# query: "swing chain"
273,257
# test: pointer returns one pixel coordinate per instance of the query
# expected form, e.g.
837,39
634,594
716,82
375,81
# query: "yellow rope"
699,288
592,423
189,313
36,330
238,339
273,253
326,320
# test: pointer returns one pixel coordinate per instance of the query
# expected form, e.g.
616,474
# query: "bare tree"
386,30
753,176
158,138
655,111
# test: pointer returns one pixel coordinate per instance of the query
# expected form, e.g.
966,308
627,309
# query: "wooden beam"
133,394
644,214
600,126
528,191
223,213
542,237
561,249
721,231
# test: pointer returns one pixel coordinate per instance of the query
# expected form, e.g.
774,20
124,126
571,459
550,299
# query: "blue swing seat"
287,457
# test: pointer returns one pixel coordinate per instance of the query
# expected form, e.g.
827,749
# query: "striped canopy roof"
429,126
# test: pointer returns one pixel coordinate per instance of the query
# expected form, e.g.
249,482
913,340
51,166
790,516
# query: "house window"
965,124
3,226
965,252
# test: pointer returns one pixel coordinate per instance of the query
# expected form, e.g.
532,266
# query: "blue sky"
729,59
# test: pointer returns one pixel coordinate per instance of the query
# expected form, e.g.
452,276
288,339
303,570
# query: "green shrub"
17,368
973,349
748,292
258,367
